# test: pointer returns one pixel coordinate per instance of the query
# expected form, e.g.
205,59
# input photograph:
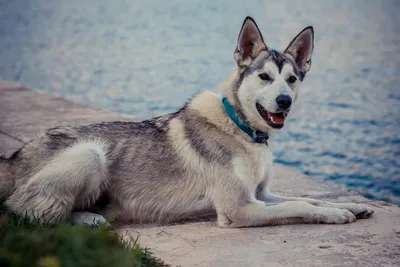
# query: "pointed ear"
301,48
249,44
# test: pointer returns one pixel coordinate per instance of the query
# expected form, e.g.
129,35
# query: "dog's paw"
359,210
88,218
333,216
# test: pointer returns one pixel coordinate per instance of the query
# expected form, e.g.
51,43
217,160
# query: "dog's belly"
153,208
169,201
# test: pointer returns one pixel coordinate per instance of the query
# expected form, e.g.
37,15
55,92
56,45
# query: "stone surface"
371,242
8,145
24,113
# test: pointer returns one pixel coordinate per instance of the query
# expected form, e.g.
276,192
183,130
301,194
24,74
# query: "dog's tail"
6,179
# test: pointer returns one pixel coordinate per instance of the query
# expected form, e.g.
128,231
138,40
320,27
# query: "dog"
211,155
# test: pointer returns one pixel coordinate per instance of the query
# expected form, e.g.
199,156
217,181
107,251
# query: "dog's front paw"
333,216
359,210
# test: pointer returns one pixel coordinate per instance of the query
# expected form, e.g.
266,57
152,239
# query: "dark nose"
284,101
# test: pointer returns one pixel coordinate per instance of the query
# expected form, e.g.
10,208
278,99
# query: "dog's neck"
228,89
238,118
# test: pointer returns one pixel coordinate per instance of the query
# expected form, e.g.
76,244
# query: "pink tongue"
276,119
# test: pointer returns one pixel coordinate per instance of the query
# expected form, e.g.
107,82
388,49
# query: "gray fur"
210,149
170,167
278,58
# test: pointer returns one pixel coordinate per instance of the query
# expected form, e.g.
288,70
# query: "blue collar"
256,135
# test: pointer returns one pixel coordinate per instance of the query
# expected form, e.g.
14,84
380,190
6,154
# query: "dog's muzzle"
274,119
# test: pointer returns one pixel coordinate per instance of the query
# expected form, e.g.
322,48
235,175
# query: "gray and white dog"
212,154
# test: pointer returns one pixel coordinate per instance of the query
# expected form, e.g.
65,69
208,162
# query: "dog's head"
268,81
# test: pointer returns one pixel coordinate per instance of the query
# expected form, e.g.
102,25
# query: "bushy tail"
6,179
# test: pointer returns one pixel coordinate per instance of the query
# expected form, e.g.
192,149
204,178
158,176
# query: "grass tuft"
26,243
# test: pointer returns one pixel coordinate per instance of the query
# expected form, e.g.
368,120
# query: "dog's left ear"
301,48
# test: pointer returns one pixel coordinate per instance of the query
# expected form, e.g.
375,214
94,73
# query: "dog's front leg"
258,213
237,206
359,210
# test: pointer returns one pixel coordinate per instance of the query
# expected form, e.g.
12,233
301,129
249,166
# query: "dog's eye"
292,79
264,77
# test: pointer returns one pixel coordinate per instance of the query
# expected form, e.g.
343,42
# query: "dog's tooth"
272,119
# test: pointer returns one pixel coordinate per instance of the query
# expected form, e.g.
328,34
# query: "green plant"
24,243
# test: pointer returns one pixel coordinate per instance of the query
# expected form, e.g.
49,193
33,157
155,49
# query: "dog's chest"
252,167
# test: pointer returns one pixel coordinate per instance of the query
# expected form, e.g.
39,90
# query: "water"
146,57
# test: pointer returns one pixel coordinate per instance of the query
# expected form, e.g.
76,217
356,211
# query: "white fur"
253,90
74,178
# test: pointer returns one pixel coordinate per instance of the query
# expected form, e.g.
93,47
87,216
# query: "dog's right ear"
249,44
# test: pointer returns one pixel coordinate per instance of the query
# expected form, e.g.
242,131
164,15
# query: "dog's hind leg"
87,218
74,178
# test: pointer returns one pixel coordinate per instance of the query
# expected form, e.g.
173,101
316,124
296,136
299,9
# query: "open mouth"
275,120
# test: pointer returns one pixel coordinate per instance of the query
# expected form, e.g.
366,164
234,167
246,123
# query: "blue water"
146,57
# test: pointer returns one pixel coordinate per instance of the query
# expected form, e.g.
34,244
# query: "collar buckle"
261,137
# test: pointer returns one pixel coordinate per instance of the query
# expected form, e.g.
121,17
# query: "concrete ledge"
371,242
24,113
